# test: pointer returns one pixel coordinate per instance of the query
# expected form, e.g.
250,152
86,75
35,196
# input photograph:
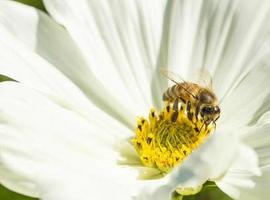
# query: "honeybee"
199,98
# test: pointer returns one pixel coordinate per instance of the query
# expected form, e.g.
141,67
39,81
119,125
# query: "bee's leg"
188,106
206,126
189,113
197,112
215,125
214,122
175,105
175,109
216,119
201,128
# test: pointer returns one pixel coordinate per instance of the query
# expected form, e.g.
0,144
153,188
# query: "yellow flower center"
168,137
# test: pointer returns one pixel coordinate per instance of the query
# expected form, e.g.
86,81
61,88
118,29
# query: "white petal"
20,62
184,26
40,138
242,181
248,101
258,137
208,162
239,175
120,40
213,156
96,186
261,189
34,49
215,34
265,118
246,45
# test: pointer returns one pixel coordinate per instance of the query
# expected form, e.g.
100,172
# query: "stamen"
168,137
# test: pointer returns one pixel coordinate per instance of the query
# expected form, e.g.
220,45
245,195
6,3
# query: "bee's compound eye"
207,110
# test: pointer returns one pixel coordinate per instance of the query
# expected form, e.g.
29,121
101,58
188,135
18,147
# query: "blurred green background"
36,3
208,193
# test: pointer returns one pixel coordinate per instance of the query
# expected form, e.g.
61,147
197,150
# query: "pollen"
166,138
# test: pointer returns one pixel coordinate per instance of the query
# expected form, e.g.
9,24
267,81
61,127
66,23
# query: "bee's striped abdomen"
172,93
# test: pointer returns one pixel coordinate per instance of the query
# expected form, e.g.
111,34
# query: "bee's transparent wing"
174,77
177,79
203,77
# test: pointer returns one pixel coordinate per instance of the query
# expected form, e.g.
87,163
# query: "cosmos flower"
88,69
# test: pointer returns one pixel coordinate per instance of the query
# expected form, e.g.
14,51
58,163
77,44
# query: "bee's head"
210,113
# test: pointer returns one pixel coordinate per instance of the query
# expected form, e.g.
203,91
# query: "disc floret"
166,138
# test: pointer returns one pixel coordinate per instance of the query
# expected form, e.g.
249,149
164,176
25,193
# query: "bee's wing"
204,78
174,77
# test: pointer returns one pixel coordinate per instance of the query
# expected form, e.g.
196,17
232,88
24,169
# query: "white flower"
80,87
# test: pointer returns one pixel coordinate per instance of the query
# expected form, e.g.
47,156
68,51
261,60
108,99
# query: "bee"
199,98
